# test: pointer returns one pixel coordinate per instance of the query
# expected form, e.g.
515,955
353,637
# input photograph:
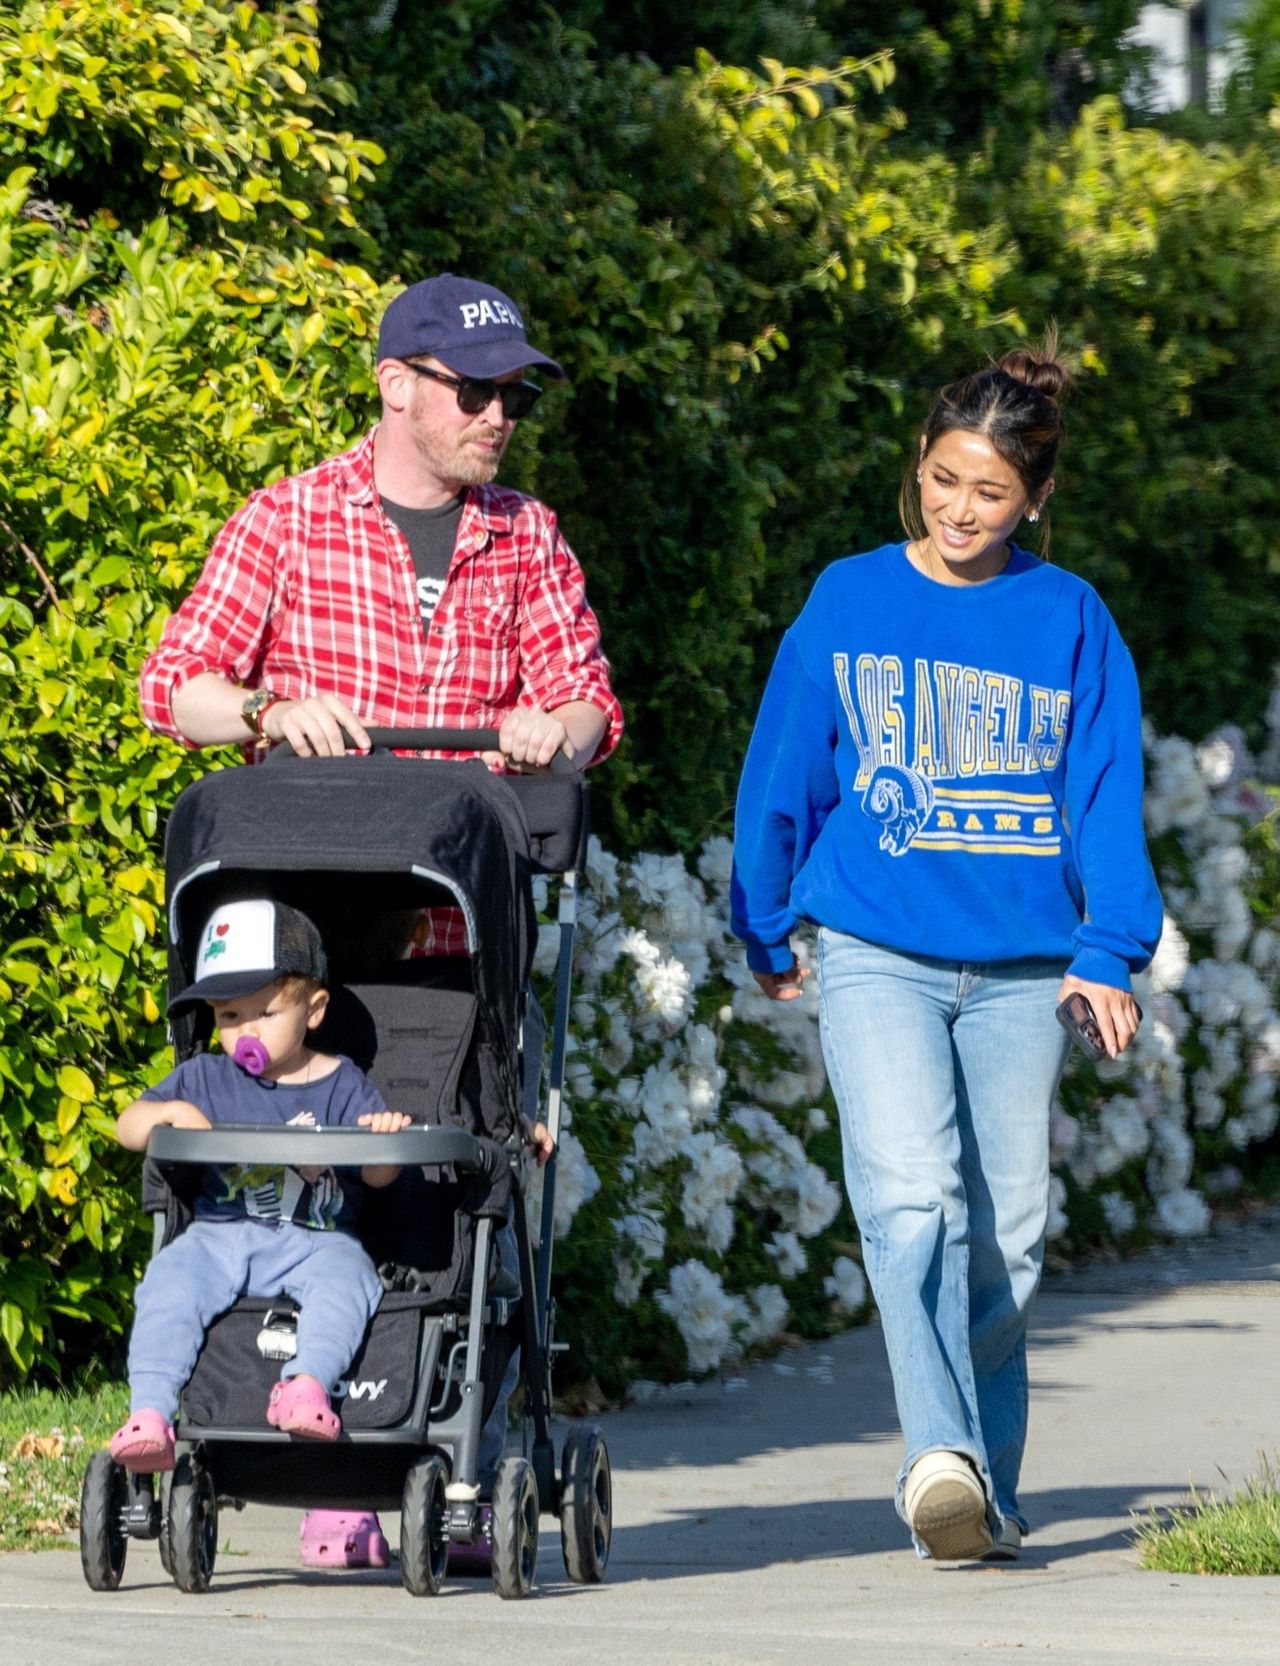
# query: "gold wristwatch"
255,707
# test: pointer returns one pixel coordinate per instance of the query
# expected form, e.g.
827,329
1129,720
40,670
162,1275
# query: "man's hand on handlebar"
314,727
529,739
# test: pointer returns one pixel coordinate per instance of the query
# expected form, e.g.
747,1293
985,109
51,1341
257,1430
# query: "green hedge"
154,371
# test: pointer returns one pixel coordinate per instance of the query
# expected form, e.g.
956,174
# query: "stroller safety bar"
434,740
325,1147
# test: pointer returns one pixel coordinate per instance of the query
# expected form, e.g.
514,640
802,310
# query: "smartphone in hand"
1080,1022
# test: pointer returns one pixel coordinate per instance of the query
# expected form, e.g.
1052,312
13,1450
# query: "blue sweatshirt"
950,771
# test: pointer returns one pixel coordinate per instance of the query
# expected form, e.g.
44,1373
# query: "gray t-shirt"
431,535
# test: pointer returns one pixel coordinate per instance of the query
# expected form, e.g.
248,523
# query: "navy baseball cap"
247,945
471,327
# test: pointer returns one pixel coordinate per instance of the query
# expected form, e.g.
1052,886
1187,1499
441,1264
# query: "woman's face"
971,500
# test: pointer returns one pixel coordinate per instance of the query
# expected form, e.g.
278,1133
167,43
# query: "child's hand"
385,1122
382,1122
136,1122
181,1113
539,1136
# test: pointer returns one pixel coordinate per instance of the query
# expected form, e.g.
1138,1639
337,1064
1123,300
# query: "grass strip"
46,1441
1236,1534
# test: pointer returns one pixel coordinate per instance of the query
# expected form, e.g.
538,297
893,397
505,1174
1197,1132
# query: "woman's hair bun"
1040,370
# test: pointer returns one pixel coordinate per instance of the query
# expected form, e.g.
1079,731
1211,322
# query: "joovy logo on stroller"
359,1391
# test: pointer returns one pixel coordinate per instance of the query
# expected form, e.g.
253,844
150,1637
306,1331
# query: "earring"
1033,515
919,477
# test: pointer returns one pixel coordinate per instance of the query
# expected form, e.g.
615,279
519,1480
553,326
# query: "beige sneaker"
946,1507
1008,1543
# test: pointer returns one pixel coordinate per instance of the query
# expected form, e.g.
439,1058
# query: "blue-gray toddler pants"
198,1276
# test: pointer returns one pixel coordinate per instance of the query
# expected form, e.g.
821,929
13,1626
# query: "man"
395,586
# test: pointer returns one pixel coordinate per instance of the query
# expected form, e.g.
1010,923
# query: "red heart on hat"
222,930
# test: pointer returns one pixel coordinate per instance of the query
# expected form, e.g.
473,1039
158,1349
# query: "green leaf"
91,1218
75,1084
13,1324
45,99
110,570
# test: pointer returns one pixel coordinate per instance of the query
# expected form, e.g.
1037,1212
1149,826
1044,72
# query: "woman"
946,777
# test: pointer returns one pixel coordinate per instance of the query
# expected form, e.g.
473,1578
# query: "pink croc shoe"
144,1443
343,1539
300,1406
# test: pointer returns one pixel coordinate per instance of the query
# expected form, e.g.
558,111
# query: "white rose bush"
700,1213
698,1209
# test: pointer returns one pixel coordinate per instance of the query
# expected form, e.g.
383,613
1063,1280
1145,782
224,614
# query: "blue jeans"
945,1074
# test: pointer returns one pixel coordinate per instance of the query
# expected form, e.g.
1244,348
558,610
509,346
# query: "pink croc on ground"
343,1539
300,1406
144,1443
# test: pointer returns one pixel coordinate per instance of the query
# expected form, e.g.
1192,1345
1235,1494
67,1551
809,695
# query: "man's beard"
473,467
449,458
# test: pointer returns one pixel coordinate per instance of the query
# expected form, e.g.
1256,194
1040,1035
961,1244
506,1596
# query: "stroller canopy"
369,832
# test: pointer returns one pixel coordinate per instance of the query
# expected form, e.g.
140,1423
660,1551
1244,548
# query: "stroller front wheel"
515,1528
192,1524
424,1536
104,1543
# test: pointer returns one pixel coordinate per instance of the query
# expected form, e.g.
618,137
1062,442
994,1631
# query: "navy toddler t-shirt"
330,1199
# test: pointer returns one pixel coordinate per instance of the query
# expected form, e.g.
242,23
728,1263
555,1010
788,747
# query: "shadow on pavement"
741,1538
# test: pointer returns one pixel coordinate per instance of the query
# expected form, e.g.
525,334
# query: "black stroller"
456,1042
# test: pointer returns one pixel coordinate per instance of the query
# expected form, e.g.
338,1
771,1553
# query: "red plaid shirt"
311,589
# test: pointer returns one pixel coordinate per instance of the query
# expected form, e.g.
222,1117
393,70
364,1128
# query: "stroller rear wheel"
586,1505
104,1543
515,1528
192,1524
424,1537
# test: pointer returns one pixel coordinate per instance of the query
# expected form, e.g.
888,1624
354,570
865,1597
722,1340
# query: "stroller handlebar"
434,740
275,1146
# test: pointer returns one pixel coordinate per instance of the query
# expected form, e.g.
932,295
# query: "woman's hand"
1115,1009
783,986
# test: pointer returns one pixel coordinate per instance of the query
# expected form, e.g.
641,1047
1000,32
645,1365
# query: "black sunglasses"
475,395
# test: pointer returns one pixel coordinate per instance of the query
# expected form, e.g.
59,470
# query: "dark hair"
1016,404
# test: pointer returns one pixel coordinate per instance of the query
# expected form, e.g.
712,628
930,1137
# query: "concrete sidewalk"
753,1521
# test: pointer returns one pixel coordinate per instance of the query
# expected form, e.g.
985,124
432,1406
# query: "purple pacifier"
251,1055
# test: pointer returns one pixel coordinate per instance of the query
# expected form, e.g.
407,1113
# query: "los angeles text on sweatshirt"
950,771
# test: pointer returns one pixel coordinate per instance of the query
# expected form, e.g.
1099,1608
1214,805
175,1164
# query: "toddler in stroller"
440,1039
256,1232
